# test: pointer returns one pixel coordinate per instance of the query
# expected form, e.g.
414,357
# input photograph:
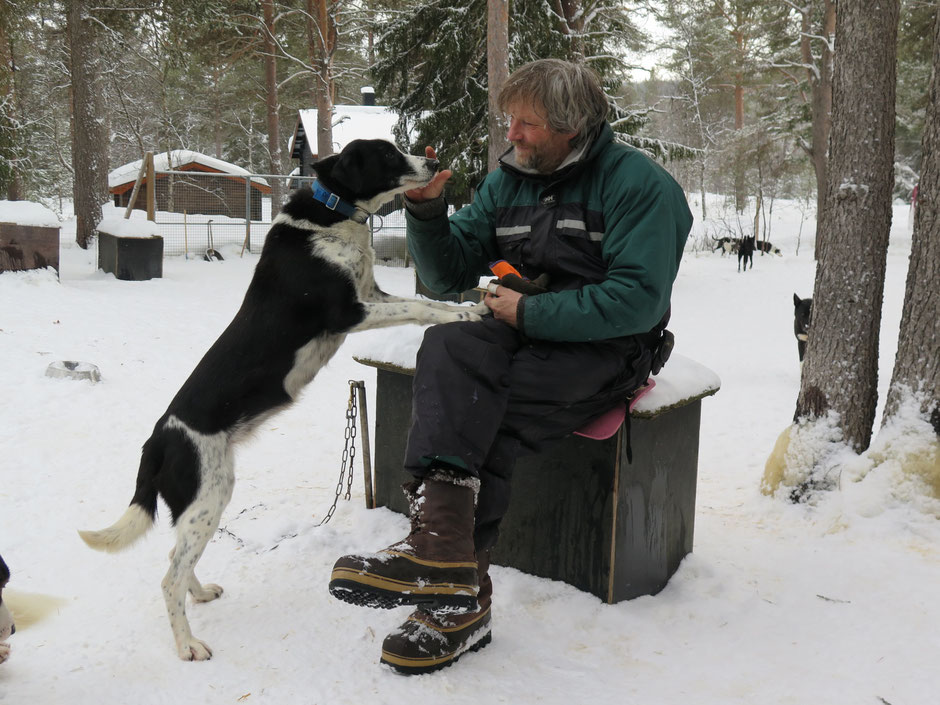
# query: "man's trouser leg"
483,396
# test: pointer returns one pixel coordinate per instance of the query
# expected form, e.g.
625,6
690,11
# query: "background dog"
768,248
727,245
313,284
802,308
7,628
746,252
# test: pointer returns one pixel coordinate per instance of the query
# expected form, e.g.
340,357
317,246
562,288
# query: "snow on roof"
350,122
176,157
28,213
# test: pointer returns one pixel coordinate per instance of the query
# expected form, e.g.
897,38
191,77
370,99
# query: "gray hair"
570,93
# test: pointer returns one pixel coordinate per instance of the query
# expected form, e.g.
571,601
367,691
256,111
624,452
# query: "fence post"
247,243
151,189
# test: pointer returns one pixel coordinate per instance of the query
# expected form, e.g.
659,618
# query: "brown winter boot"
431,640
435,566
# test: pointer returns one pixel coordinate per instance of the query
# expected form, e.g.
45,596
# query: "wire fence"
199,211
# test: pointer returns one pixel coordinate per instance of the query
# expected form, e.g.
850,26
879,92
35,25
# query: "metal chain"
349,452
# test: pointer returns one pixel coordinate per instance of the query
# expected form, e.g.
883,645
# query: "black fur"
802,309
746,252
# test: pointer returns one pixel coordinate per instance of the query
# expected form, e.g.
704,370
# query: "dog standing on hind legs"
313,285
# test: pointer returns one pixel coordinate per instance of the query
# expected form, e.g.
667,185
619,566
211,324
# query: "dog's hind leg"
194,528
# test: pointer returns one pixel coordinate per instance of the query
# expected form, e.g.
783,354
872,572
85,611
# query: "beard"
539,158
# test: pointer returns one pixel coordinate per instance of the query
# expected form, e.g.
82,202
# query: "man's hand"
433,189
503,303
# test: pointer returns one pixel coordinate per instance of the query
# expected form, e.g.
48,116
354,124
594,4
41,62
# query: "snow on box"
122,227
27,213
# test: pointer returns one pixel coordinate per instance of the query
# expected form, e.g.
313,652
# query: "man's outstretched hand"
433,189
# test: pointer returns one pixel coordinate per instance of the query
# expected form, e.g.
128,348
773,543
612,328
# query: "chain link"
349,452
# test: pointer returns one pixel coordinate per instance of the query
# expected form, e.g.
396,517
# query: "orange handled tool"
501,268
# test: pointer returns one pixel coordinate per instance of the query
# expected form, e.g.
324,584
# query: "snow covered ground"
833,603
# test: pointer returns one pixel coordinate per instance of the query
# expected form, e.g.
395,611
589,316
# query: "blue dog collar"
335,203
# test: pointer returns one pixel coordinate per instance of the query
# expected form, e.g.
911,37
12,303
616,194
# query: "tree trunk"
917,366
497,69
740,158
840,372
821,100
275,165
321,34
11,169
89,146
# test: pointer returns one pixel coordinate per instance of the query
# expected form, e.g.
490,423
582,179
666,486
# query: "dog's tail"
139,517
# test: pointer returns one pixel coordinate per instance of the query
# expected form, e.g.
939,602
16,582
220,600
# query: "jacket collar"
335,203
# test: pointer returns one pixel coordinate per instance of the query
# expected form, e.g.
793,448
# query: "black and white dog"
313,284
768,248
7,628
727,245
802,309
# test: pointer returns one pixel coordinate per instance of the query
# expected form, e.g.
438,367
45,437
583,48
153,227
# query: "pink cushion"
608,423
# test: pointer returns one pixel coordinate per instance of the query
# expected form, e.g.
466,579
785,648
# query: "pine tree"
431,66
838,395
916,378
89,143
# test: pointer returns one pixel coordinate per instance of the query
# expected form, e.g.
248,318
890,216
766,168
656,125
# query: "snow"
832,602
164,161
350,122
682,379
28,213
121,227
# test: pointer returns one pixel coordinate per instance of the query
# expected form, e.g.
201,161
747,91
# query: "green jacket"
609,229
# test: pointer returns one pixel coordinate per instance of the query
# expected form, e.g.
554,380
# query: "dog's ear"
324,167
796,300
347,169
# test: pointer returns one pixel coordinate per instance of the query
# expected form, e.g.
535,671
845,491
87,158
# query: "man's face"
537,146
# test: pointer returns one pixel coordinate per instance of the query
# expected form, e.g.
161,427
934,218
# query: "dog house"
29,236
212,187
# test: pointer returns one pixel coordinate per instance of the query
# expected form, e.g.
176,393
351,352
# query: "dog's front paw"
195,650
473,313
4,652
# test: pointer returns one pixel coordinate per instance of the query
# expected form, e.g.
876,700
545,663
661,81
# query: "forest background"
832,105
730,104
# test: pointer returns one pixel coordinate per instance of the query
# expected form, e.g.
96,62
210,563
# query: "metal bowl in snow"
69,369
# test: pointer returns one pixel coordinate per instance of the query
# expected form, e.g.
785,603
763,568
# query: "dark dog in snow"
802,308
746,252
7,627
313,284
